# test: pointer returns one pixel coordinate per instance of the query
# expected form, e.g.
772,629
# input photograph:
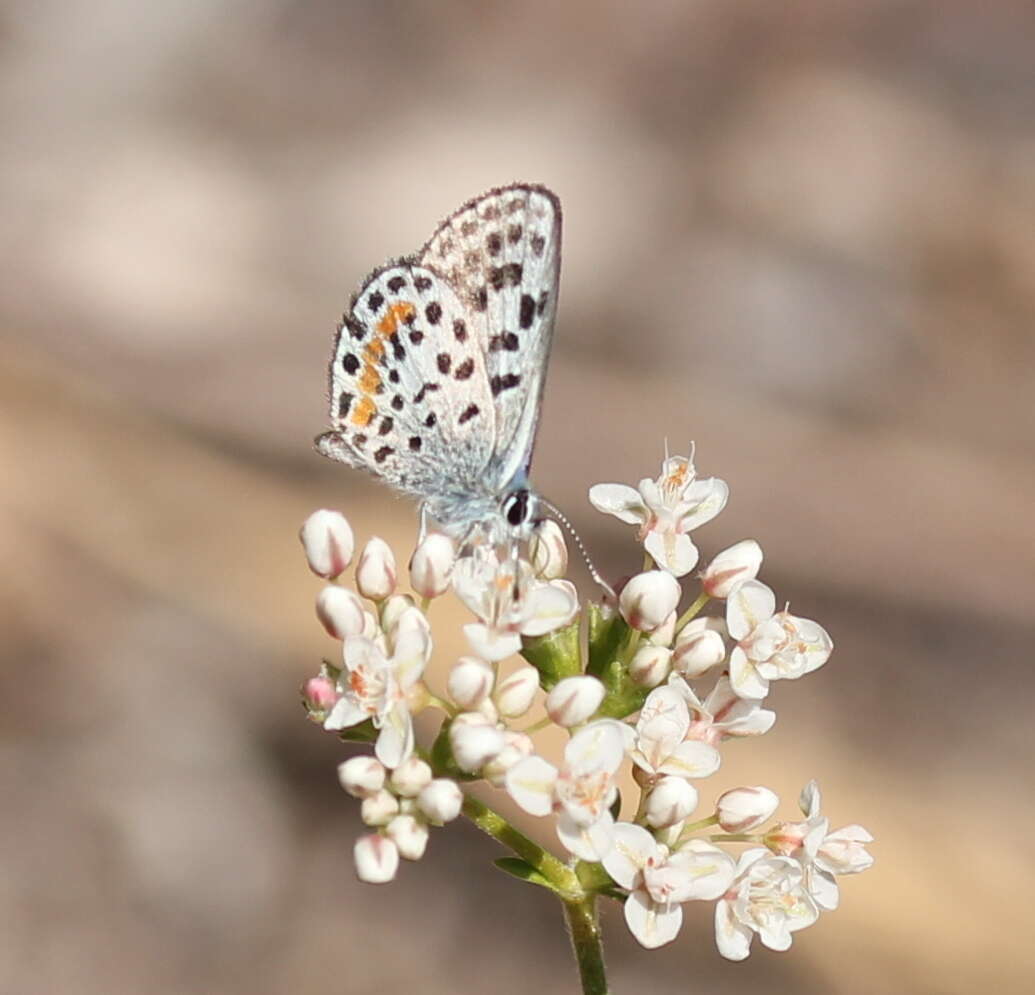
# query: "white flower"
658,881
441,800
328,542
667,510
581,792
548,551
374,686
377,859
474,740
650,665
670,801
516,692
470,682
340,611
698,647
648,599
771,645
410,777
660,745
375,572
574,699
741,809
822,854
732,566
361,777
432,564
510,603
767,897
723,714
409,835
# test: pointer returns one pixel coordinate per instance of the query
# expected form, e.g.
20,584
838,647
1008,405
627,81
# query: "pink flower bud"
648,599
670,801
376,859
650,665
742,809
432,564
362,777
470,682
379,809
548,551
375,573
409,836
328,542
731,567
474,743
697,650
340,611
441,800
410,777
514,694
319,695
574,699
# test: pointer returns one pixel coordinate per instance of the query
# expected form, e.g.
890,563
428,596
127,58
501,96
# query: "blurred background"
801,235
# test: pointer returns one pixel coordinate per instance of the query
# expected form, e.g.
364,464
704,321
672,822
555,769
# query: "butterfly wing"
410,398
501,253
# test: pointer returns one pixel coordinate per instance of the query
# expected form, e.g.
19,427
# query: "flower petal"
692,759
745,678
732,937
530,783
395,741
620,500
652,924
748,605
600,746
672,551
491,644
591,842
633,847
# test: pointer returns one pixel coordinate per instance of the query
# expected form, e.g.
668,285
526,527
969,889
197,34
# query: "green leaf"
517,868
555,655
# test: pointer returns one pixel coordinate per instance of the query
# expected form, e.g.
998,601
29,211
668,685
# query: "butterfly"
439,365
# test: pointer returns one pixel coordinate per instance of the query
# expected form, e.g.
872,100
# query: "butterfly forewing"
501,252
410,396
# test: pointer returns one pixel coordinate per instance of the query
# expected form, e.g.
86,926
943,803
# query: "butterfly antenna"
593,572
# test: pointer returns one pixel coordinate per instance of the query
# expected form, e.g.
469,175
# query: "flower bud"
340,612
376,859
731,567
319,696
441,800
409,836
664,633
670,801
474,744
697,651
432,564
648,599
379,809
518,747
514,694
361,777
375,572
743,809
328,543
393,609
574,699
470,682
650,665
410,777
548,551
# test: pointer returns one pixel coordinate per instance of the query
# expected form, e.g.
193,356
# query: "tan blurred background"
801,234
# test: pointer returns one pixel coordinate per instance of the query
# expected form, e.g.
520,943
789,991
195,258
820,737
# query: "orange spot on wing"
370,380
397,312
363,412
375,350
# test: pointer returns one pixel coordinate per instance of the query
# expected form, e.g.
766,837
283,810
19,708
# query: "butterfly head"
520,510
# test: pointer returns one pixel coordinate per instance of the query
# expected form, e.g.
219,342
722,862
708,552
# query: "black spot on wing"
527,311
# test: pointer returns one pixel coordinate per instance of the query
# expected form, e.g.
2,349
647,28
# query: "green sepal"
362,733
623,696
555,655
606,634
517,868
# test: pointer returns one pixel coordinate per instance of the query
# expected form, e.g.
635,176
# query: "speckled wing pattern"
439,364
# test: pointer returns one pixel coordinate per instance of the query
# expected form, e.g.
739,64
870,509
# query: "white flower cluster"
637,685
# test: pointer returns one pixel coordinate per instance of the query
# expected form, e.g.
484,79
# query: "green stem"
584,930
492,823
692,611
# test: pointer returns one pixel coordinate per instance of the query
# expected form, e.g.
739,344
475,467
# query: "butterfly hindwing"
410,396
501,253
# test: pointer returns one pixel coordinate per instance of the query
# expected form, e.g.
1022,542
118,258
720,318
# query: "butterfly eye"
516,508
